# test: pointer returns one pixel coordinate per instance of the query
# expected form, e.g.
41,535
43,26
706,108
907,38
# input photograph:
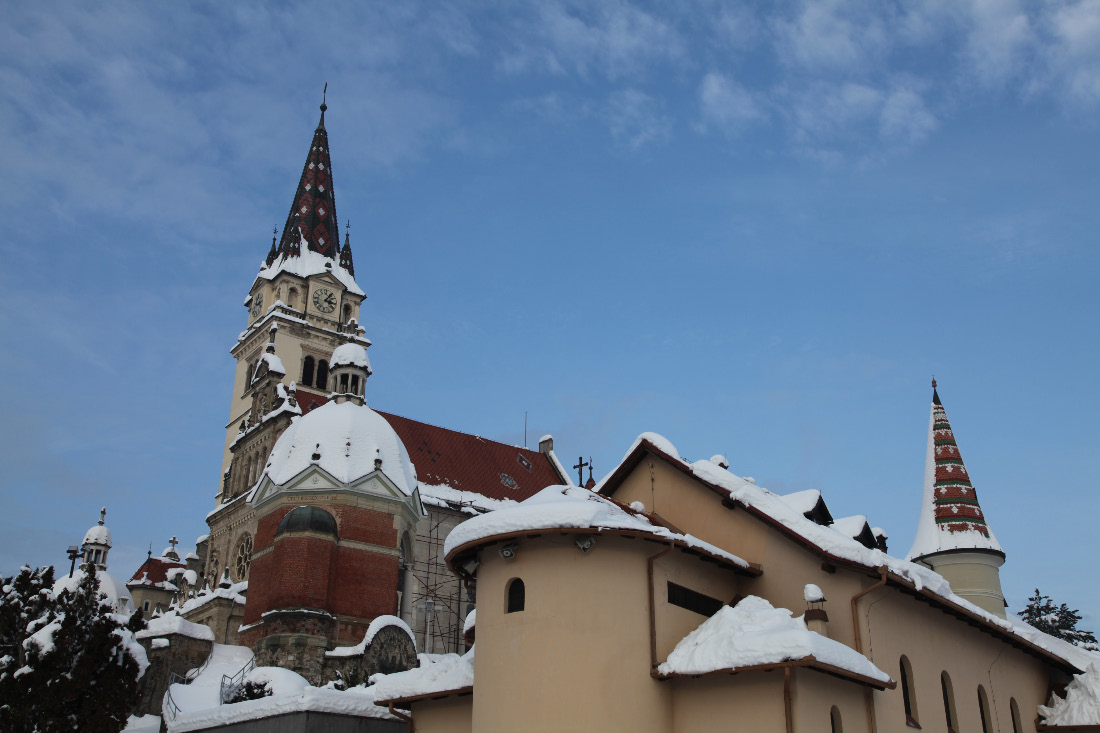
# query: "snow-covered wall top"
570,507
352,354
346,438
437,673
310,263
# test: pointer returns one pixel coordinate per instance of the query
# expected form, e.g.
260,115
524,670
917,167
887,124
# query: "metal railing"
231,685
168,707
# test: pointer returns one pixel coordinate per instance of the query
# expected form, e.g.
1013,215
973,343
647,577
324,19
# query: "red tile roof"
462,461
157,568
472,463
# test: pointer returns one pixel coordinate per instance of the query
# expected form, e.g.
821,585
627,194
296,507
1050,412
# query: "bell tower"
303,303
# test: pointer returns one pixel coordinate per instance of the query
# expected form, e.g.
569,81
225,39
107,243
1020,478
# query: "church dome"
97,535
117,596
307,518
345,440
350,354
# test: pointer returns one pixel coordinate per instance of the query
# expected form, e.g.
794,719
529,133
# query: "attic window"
692,600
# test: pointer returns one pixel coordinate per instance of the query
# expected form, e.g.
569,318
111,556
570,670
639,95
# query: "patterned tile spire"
951,518
314,208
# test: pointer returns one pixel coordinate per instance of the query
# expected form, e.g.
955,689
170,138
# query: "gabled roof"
950,518
465,462
154,571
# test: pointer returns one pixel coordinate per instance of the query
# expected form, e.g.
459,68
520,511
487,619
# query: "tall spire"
951,518
314,208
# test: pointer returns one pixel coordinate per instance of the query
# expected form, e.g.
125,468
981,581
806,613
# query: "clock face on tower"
257,304
324,300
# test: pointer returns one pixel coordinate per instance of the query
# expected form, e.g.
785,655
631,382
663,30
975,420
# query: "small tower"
349,368
97,541
953,536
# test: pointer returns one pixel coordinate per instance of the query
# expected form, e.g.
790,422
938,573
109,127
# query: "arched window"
347,312
292,298
355,384
908,694
834,720
322,374
948,702
1017,726
983,710
515,595
344,383
307,371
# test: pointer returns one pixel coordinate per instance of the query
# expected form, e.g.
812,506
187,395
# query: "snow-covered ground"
205,690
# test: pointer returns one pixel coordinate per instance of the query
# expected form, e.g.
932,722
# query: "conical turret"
345,254
953,535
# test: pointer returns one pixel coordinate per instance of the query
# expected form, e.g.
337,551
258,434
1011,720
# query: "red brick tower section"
320,574
956,503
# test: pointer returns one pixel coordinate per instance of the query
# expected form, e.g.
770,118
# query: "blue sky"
757,229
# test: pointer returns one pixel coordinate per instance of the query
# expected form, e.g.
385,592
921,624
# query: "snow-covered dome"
109,585
345,440
350,354
97,535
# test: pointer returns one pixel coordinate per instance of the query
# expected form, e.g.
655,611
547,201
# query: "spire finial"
324,95
933,381
102,515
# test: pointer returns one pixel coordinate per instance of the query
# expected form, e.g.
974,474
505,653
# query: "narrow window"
307,371
908,693
292,298
1017,726
834,720
344,383
948,702
692,600
355,383
145,606
983,710
322,374
347,312
515,595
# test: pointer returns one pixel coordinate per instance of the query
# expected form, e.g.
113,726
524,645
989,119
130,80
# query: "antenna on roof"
525,428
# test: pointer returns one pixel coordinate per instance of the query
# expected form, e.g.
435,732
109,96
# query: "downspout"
868,700
653,606
787,699
407,718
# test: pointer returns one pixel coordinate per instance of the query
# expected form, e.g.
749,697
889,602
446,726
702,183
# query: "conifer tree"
67,662
1059,621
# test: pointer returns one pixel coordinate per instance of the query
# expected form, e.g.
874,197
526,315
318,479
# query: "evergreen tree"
67,662
1059,621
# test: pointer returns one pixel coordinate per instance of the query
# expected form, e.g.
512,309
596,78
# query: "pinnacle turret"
345,253
313,212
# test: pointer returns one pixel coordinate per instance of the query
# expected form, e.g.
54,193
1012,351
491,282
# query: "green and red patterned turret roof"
314,207
951,518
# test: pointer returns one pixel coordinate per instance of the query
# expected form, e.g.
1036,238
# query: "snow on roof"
97,535
851,526
950,517
352,354
347,438
233,593
754,633
437,673
173,624
1080,706
836,545
274,364
557,507
379,623
310,263
467,502
803,501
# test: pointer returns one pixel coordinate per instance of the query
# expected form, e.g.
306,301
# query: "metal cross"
580,469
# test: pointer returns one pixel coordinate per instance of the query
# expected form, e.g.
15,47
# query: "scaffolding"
438,598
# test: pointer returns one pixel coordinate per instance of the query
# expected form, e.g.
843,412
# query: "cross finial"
933,381
173,542
102,515
580,469
590,468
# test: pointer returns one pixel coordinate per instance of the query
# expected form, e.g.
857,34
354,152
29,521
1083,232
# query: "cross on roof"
580,469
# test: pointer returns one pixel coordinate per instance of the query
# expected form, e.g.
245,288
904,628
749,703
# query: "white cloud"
1074,53
636,119
905,118
726,105
831,35
998,40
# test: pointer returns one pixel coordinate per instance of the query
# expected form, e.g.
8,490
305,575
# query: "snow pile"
143,724
189,576
468,502
437,673
280,681
755,633
379,623
470,623
310,263
358,701
803,501
570,507
233,593
851,526
1081,705
347,439
204,691
274,364
352,354
173,624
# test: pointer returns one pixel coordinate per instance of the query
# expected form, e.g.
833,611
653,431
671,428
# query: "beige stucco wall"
751,701
974,576
813,695
449,715
577,656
